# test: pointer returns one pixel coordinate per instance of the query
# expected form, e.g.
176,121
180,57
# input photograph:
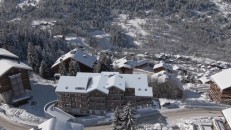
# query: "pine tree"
104,62
62,68
73,67
129,119
117,119
32,57
44,70
108,63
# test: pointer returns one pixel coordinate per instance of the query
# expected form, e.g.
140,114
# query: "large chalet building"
96,93
86,61
14,78
220,90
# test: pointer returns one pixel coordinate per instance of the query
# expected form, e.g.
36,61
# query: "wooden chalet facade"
100,99
114,98
73,102
97,102
220,88
218,95
125,70
14,78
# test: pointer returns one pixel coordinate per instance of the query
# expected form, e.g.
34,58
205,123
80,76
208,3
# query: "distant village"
84,87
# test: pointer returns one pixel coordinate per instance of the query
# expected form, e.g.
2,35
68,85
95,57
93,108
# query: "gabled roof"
6,53
123,62
6,65
204,79
116,81
88,82
164,65
78,55
141,62
98,83
222,79
227,115
175,67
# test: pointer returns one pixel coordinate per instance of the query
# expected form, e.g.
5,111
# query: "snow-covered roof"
123,62
98,83
141,62
78,55
175,67
21,97
222,79
6,53
139,82
162,64
72,84
116,81
6,65
227,115
55,124
204,79
87,82
163,77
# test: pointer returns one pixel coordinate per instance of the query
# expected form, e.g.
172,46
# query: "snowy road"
170,117
8,125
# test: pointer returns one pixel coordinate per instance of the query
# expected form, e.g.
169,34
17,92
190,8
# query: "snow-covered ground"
28,3
224,7
75,40
44,24
32,113
102,39
133,27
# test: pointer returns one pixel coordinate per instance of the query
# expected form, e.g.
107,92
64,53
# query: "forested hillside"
191,27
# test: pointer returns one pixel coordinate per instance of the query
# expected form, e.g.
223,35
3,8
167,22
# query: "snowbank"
43,91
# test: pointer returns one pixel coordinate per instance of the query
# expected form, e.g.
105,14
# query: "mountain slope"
191,27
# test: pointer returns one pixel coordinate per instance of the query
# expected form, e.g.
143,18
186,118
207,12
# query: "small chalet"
86,61
165,83
126,66
162,66
96,93
14,78
220,89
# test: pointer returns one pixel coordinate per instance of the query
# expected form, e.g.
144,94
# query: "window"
16,84
139,89
79,88
146,89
